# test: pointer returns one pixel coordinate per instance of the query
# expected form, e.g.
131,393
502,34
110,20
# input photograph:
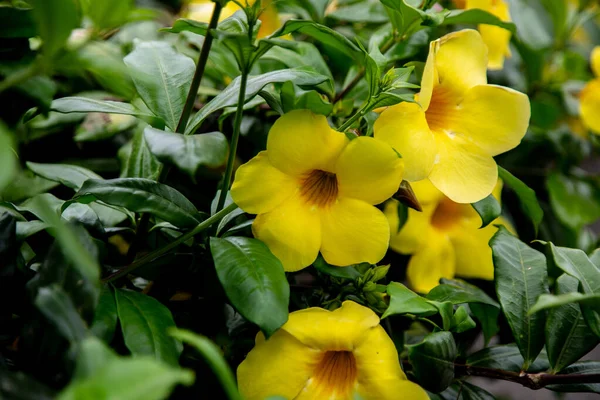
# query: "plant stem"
355,117
157,253
234,139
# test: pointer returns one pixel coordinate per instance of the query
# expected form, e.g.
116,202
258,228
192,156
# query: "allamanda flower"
496,39
444,239
589,98
314,189
459,121
201,10
333,355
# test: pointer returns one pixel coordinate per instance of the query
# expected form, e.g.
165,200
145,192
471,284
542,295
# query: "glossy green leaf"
405,301
568,337
527,197
162,78
488,318
548,301
299,54
140,163
432,361
29,228
212,354
476,16
372,75
465,391
144,195
8,159
520,278
582,367
253,279
144,323
339,272
105,320
188,25
59,309
505,357
457,291
295,98
71,176
76,104
55,20
576,202
228,97
488,209
462,321
188,153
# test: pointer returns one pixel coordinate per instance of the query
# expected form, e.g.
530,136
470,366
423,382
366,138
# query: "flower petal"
301,141
430,78
274,188
260,374
461,60
353,232
390,390
498,43
595,61
368,170
472,252
292,231
431,262
463,172
495,118
589,105
413,234
405,128
339,330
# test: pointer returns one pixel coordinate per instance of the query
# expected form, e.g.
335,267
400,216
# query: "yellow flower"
201,10
589,98
444,239
459,121
333,355
313,189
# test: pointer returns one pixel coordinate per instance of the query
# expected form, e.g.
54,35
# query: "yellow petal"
595,61
353,232
431,262
368,170
260,374
292,231
339,330
589,105
426,193
495,118
405,128
430,77
461,60
274,188
498,42
393,390
413,234
269,19
301,141
201,10
473,254
463,172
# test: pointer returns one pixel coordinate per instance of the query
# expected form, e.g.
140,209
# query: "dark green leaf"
188,25
506,357
339,272
568,338
57,306
446,311
488,318
477,16
457,291
71,176
55,19
521,277
300,54
144,322
144,195
229,96
17,23
295,98
405,301
105,316
8,160
576,202
527,197
140,161
548,301
162,78
465,391
583,367
24,185
107,13
362,11
29,228
93,356
433,361
462,321
488,209
188,153
372,74
86,105
253,279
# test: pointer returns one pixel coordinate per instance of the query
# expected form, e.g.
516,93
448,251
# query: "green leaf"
533,24
488,209
505,357
405,301
295,98
8,160
71,176
372,75
19,386
105,316
253,279
576,202
76,104
488,318
582,367
188,25
188,153
139,378
465,391
29,228
323,34
476,16
212,354
55,20
520,277
58,307
527,197
432,361
299,54
568,337
93,356
457,291
107,13
140,161
162,78
144,195
549,301
228,97
144,322
339,272
17,23
462,321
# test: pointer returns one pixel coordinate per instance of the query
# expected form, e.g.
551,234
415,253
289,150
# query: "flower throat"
319,187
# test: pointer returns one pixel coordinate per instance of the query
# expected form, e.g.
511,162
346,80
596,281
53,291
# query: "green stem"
157,253
19,77
234,139
361,112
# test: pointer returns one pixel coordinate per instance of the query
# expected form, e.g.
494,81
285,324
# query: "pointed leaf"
527,197
488,209
71,176
85,105
432,361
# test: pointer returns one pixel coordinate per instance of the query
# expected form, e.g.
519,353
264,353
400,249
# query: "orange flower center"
441,109
447,214
335,375
319,187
